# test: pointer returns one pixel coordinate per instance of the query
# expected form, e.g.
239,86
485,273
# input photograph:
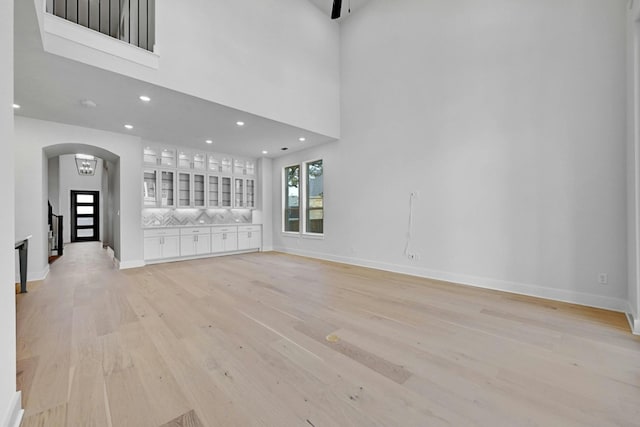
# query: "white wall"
242,54
32,136
508,118
54,184
633,160
9,400
264,213
71,180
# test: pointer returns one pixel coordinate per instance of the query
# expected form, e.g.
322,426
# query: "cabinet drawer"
224,229
189,231
161,232
252,228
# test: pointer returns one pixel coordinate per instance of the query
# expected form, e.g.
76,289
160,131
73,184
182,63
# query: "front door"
85,216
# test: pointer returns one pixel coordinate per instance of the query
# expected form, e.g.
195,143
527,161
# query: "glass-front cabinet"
158,188
167,188
149,188
244,193
244,167
155,156
213,191
184,189
199,190
250,186
183,178
238,193
225,192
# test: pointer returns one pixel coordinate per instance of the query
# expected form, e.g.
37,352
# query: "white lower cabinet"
249,237
172,243
159,244
224,239
195,241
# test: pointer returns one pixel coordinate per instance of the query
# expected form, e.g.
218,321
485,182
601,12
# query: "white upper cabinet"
244,167
159,188
160,156
183,178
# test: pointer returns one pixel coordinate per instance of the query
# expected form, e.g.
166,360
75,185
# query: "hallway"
278,340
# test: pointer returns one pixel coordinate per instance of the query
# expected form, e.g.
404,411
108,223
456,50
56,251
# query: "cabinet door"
213,163
217,242
184,159
230,241
152,248
213,198
167,188
243,240
168,157
170,246
226,165
250,185
225,192
255,239
199,161
199,190
250,168
238,193
184,189
151,156
187,245
203,244
150,187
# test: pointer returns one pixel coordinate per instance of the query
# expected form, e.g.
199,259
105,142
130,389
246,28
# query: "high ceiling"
50,87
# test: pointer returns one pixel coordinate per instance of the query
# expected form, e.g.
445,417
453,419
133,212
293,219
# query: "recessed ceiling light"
240,123
144,98
16,106
128,126
265,152
87,103
208,141
302,139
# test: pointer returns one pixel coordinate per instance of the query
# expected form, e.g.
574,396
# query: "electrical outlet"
603,278
412,256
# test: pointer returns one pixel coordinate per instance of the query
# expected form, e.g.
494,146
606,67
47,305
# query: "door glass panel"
84,221
239,190
198,190
213,191
167,188
149,188
184,189
84,198
85,232
84,210
226,192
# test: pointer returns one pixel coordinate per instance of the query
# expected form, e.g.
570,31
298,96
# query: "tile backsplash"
154,217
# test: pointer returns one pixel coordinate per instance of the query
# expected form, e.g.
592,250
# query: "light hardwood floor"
268,339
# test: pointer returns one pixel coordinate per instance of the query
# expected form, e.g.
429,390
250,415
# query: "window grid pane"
314,215
291,199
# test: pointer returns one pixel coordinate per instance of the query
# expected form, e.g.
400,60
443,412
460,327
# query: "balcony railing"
132,21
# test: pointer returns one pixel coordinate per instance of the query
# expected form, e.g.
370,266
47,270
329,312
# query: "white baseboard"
13,417
124,265
581,298
634,321
38,275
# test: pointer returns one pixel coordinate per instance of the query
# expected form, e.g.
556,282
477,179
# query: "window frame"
302,200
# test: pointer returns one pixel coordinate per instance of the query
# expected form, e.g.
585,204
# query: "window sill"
312,236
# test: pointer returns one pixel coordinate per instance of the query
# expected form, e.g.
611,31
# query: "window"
303,198
314,198
291,199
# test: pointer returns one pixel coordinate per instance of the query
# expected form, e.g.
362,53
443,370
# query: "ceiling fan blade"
337,8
